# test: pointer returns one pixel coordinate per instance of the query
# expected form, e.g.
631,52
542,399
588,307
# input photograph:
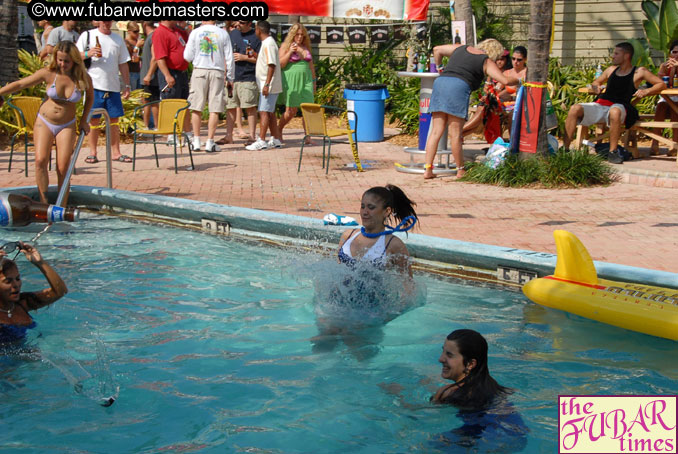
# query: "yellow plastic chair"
25,112
316,126
170,121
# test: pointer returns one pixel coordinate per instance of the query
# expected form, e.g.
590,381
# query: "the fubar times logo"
617,424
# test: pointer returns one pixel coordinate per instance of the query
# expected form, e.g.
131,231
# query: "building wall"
323,49
584,29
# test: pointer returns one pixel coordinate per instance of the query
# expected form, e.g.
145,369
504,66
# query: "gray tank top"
466,66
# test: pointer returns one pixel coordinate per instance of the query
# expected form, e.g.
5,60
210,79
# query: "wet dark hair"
522,50
394,197
626,47
478,389
7,264
673,44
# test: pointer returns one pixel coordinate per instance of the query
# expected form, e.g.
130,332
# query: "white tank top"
375,253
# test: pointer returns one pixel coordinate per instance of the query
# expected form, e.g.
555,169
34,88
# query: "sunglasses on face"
516,59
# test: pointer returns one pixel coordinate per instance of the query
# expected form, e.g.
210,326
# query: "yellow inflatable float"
574,287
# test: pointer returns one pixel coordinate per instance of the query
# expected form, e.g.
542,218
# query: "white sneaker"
274,143
196,143
211,147
258,145
170,139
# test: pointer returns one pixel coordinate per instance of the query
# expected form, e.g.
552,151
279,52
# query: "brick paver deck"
626,223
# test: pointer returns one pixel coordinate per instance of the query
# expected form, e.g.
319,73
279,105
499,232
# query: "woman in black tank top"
464,73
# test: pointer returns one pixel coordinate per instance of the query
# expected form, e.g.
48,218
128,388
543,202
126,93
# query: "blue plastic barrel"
367,101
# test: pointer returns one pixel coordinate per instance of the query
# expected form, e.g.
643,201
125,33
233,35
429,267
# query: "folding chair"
170,121
25,112
316,126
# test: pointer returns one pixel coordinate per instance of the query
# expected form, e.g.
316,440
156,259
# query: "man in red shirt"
168,49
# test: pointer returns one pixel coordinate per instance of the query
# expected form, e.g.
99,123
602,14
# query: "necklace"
8,311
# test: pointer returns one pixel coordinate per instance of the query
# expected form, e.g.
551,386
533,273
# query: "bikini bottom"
56,129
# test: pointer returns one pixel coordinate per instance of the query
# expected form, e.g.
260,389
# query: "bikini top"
13,333
376,254
52,93
295,56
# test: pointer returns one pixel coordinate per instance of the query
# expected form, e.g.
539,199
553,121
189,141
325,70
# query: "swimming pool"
209,342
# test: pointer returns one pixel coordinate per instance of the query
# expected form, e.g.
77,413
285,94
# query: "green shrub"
562,169
30,63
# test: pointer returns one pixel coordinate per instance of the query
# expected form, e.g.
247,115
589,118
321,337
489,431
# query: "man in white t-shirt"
209,49
108,58
64,33
269,81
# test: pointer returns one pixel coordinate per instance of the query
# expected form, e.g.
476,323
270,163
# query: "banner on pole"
355,9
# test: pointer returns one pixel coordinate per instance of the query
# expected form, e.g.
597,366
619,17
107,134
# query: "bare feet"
225,140
308,141
461,171
243,135
654,148
428,174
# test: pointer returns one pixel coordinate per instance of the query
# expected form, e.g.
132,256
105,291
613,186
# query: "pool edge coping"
430,248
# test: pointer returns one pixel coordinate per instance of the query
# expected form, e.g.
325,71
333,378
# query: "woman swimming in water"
15,320
373,242
464,360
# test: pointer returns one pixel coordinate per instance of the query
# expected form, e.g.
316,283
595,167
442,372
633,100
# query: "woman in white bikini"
67,79
374,242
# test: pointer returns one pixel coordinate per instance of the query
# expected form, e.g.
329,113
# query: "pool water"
208,345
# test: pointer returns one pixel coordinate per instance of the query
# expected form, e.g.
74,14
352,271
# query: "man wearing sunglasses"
14,304
519,71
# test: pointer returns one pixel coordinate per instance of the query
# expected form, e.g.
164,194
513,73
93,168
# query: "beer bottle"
18,210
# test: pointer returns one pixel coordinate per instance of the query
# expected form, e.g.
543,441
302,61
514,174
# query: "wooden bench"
629,137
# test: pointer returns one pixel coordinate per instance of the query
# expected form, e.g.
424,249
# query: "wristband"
85,54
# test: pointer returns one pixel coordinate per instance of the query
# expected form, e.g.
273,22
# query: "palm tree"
539,41
464,11
9,24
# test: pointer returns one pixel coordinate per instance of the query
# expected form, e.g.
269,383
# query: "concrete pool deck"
633,222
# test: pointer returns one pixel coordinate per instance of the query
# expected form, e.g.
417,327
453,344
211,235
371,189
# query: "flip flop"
123,158
91,159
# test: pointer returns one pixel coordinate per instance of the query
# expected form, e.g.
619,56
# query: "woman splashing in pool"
15,320
374,242
485,412
373,282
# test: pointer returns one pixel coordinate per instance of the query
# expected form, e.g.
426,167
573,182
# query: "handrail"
74,158
76,152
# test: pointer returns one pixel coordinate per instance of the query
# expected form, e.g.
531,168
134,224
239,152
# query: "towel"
335,219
